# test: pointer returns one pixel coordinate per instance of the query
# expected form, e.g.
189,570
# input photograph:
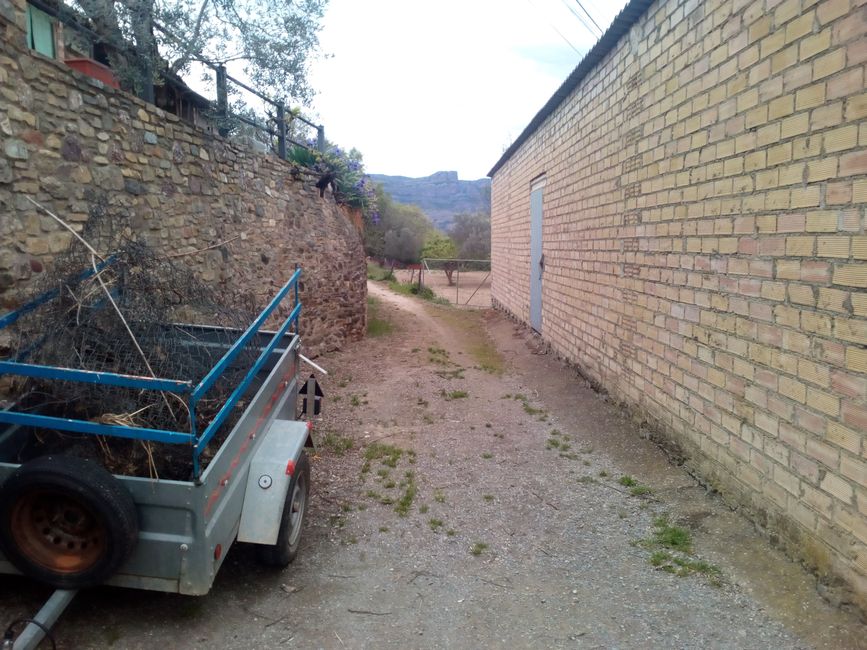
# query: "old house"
684,220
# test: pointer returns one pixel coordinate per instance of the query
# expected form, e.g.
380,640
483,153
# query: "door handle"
542,262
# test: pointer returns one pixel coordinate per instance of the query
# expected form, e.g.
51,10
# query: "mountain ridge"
441,195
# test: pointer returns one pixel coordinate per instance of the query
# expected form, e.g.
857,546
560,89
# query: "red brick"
815,272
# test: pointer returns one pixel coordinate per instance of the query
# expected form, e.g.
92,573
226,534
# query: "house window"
40,31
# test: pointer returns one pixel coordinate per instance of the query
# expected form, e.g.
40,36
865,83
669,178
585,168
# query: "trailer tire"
66,521
285,550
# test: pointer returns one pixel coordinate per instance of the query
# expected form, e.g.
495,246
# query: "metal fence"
277,128
452,269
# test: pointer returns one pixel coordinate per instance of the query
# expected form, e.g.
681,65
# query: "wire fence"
460,281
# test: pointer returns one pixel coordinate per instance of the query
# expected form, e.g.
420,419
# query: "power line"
579,17
589,16
552,26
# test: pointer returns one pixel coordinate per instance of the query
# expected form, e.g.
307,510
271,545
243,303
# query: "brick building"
684,220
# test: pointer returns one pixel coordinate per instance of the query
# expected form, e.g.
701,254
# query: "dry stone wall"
69,142
705,246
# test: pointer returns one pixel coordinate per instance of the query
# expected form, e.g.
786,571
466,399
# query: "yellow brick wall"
705,248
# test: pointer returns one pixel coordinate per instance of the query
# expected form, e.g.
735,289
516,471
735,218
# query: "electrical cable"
10,632
589,16
580,18
551,25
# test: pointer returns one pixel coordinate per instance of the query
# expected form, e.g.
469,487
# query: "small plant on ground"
438,356
378,273
387,454
528,409
383,529
423,508
450,374
405,501
478,548
439,497
435,524
487,455
453,395
336,444
488,497
627,481
355,400
669,536
640,491
376,324
451,532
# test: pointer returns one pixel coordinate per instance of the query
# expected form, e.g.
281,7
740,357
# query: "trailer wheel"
66,521
285,550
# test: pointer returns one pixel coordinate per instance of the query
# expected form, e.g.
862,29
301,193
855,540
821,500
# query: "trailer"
69,523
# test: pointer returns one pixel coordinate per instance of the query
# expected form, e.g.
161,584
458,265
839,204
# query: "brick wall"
68,142
705,252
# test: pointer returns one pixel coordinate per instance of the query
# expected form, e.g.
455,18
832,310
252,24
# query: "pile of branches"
120,320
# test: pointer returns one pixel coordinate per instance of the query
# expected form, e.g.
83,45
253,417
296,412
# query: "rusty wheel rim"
57,531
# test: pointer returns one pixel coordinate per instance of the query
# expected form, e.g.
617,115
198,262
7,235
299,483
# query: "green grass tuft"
478,548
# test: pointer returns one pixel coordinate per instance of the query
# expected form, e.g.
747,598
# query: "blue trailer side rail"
194,392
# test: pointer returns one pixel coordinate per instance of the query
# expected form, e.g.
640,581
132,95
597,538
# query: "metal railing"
282,124
196,391
222,114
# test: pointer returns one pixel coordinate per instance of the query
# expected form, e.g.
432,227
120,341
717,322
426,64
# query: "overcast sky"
420,86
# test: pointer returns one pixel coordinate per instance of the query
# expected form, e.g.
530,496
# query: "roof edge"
621,24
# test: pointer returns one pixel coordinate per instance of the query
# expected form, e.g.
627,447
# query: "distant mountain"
441,195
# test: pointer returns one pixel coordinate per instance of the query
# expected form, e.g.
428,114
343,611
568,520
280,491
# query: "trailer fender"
268,482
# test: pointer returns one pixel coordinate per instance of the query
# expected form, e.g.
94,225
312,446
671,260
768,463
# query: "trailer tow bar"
40,625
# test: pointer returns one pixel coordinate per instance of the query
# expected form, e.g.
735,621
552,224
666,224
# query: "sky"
420,86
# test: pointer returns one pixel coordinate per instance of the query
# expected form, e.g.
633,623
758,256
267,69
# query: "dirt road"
471,493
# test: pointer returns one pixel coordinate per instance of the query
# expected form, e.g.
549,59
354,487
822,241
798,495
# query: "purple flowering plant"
352,185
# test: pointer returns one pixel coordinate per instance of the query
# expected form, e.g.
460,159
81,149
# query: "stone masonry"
68,142
705,246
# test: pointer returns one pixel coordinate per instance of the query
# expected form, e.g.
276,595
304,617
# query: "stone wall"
705,248
68,142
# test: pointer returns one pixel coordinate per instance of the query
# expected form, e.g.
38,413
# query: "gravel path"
470,492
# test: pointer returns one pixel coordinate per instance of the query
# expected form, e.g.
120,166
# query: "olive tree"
273,39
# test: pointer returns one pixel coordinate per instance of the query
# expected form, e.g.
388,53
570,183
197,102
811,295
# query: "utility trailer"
69,523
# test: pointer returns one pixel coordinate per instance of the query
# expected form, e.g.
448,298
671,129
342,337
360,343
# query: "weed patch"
454,394
336,444
377,325
627,481
405,501
478,548
528,408
388,455
379,273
